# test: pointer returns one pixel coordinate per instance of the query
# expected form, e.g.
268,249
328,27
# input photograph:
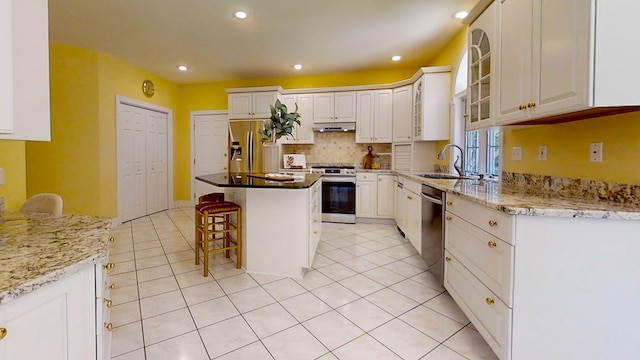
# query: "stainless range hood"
334,126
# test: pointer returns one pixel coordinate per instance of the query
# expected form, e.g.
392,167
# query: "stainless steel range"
338,193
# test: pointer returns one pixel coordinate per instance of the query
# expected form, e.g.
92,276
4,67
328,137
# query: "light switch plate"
1,176
542,153
595,152
516,153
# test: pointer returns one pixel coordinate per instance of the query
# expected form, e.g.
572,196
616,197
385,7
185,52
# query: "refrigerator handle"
249,151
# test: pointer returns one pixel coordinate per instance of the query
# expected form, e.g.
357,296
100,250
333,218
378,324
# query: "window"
482,148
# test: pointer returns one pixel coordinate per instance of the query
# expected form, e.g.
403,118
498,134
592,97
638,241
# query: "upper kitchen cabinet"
483,65
334,107
402,111
374,116
251,105
431,106
24,70
303,133
562,57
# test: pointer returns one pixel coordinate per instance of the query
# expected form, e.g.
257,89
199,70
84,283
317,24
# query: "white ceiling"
325,36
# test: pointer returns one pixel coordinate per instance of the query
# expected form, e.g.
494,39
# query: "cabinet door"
414,219
435,106
262,102
386,198
30,38
323,108
6,69
560,56
366,198
515,59
383,116
240,106
345,106
54,322
290,101
365,118
402,104
304,131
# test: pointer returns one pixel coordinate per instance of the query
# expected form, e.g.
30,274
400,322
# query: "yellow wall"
13,162
568,149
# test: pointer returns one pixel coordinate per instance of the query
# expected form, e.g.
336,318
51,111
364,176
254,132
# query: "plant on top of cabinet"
280,123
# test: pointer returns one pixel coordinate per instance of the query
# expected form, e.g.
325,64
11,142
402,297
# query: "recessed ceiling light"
297,66
461,14
240,15
396,57
183,67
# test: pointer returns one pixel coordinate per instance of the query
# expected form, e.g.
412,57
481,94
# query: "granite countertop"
41,249
245,180
530,201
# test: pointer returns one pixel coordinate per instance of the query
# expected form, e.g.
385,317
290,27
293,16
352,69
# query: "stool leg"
226,242
239,240
197,237
205,245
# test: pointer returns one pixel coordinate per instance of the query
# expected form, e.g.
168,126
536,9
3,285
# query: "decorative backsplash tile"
339,148
578,188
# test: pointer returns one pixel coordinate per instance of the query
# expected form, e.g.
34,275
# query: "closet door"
156,161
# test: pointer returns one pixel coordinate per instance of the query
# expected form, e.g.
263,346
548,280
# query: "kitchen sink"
443,176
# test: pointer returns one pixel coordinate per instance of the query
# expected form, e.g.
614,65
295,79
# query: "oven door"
339,199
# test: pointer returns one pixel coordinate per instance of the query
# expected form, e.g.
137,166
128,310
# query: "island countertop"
250,180
41,249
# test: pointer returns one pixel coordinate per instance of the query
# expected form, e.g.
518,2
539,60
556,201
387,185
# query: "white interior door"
210,148
143,138
156,161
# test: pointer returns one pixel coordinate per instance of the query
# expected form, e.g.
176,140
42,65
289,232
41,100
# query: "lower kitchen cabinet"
544,287
375,194
55,322
409,211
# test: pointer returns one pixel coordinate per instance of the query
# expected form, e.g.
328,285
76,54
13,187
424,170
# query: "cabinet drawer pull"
449,203
108,302
109,266
112,286
3,333
491,244
108,326
531,105
449,218
409,197
447,259
493,223
112,239
489,301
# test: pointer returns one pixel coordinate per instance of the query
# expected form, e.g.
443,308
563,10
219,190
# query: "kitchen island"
51,287
281,219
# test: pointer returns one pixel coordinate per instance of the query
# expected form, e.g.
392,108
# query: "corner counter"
252,180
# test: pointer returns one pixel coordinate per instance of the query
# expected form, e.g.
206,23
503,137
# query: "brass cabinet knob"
449,218
489,301
109,326
493,223
3,333
112,239
112,286
225,155
447,259
492,244
449,203
108,302
531,105
409,197
522,107
109,266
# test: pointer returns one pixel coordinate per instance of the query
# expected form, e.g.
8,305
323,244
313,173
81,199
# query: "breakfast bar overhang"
281,219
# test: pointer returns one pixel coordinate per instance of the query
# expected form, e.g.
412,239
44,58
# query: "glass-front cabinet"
482,87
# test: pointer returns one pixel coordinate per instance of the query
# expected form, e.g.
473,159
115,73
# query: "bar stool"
212,197
213,219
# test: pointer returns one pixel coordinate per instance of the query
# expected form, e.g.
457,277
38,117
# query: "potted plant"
281,122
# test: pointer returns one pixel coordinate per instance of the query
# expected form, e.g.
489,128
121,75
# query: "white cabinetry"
431,106
375,195
254,105
483,67
315,221
54,322
303,133
559,57
402,111
386,195
334,107
374,116
409,211
24,70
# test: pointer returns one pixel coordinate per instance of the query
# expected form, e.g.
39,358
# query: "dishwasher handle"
431,199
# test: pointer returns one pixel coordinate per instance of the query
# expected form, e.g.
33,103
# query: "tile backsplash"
339,147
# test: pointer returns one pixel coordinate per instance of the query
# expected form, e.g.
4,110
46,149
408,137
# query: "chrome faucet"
459,168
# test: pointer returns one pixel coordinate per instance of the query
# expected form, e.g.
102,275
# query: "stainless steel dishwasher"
433,230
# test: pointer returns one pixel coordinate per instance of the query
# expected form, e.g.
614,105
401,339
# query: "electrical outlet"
595,152
516,153
542,153
1,176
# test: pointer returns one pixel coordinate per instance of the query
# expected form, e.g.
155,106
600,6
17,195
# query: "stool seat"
212,197
213,224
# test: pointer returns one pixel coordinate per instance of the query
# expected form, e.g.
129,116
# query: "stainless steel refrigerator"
247,133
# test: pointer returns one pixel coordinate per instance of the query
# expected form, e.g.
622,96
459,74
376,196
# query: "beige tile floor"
368,296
